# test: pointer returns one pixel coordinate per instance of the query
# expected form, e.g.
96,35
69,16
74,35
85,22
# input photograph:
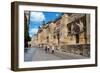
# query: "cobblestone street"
38,54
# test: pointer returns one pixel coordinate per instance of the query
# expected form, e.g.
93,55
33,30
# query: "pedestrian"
52,49
46,49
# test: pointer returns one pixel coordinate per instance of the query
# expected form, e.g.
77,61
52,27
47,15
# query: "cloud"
57,14
37,16
33,31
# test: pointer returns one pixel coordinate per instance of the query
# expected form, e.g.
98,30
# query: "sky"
37,18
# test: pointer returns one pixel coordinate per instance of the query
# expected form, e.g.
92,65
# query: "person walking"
52,49
46,49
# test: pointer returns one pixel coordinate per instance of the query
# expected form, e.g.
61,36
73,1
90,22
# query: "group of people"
49,49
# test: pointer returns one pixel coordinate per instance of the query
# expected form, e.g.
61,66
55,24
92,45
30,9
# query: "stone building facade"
70,32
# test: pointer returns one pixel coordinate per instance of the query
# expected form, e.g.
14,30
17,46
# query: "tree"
26,33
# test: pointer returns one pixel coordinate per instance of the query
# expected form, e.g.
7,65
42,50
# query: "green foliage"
26,31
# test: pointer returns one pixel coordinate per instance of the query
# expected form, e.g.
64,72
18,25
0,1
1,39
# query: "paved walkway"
38,54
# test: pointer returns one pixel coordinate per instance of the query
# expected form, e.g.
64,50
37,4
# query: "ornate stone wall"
71,32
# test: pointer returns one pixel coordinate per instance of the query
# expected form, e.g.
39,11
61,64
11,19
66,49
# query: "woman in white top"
52,49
